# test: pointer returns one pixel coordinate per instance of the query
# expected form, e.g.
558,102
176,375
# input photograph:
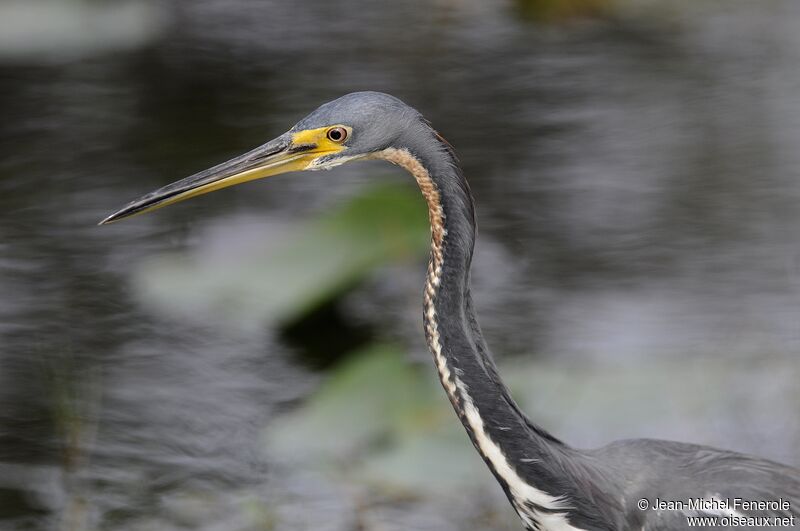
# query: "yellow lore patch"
319,138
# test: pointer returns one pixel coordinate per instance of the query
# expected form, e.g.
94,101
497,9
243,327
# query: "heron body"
551,485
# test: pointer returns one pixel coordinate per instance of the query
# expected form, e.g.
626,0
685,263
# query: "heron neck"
526,460
465,366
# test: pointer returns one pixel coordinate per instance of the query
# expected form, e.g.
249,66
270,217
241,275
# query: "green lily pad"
381,421
358,409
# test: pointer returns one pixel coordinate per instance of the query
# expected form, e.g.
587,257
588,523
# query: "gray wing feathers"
668,471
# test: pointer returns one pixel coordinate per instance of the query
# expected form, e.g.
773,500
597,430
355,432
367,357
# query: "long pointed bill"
282,155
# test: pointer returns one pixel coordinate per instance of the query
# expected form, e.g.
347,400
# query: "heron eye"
337,134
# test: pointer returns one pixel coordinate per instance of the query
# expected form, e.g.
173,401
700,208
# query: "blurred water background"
635,166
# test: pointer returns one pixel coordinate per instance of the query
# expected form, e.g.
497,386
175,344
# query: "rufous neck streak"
407,161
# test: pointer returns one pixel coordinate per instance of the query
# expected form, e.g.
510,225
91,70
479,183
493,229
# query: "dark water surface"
638,192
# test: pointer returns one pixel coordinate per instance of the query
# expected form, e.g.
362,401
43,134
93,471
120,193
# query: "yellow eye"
337,134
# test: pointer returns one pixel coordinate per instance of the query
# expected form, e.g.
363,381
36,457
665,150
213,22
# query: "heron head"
349,128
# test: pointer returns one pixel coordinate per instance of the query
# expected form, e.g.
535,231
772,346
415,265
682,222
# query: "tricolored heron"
551,485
